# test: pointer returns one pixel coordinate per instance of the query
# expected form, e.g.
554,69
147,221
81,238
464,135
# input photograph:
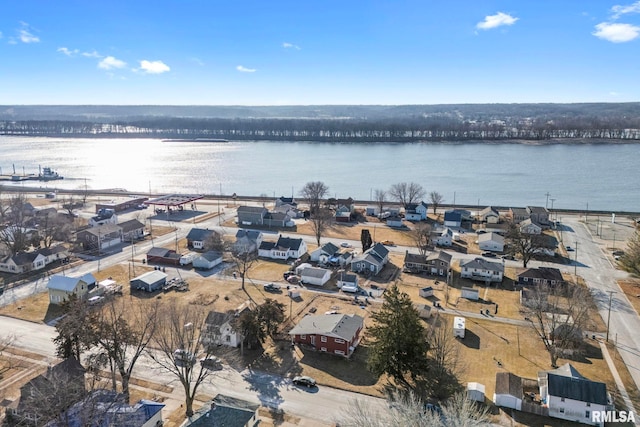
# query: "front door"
313,340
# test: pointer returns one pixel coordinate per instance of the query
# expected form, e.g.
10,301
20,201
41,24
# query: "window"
562,410
562,399
303,337
228,338
339,341
323,338
323,348
338,352
586,414
588,404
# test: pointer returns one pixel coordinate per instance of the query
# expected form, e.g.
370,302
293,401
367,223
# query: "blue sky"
300,52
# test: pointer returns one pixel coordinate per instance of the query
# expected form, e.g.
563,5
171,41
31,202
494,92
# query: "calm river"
606,177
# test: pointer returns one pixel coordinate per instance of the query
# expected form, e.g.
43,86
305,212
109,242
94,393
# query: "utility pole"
546,205
575,265
609,313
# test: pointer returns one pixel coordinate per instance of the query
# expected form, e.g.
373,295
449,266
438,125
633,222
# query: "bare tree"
313,192
6,363
53,227
74,338
123,333
179,328
214,242
523,244
380,197
421,236
320,220
243,261
436,200
558,314
445,362
410,410
15,236
407,193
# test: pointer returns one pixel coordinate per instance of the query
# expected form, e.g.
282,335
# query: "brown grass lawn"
631,288
352,231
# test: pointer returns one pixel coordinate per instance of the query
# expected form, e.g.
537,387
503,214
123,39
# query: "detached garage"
150,281
508,391
315,276
207,260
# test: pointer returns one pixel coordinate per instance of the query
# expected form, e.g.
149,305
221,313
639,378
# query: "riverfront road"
273,391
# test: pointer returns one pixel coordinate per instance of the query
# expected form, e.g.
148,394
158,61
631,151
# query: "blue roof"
452,216
63,283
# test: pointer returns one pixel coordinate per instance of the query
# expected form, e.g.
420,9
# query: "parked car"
569,249
509,257
305,381
489,254
345,244
184,356
211,362
388,243
271,287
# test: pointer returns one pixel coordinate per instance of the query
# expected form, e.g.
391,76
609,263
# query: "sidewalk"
616,377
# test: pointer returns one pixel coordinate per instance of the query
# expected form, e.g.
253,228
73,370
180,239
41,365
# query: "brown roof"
508,383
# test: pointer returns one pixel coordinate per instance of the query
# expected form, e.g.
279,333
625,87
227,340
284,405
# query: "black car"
271,287
305,381
488,254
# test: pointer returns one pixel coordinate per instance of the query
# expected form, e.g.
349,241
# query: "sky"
306,52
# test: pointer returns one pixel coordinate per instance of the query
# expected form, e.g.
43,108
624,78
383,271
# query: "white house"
219,330
528,226
104,216
323,253
444,237
481,269
395,221
372,210
284,248
452,219
23,262
475,392
489,215
572,397
315,276
207,260
426,292
491,242
247,241
347,282
509,391
416,212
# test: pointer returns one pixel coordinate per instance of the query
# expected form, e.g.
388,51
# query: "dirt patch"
352,231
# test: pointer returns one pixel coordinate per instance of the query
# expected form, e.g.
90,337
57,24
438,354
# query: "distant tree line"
434,128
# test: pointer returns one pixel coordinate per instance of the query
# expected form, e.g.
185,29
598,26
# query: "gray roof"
251,209
199,234
337,325
151,277
537,210
508,383
249,234
349,278
160,252
544,273
103,230
267,246
414,258
488,237
489,210
63,283
576,387
483,264
217,318
440,255
132,224
380,249
330,248
452,216
289,242
315,272
211,255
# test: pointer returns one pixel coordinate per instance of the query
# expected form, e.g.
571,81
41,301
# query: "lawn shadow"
53,312
353,370
470,340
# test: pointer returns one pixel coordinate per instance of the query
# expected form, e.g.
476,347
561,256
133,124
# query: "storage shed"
470,293
315,276
150,281
426,292
459,327
475,392
207,260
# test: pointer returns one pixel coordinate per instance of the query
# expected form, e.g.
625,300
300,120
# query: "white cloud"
619,10
109,63
245,69
616,33
25,35
497,20
154,67
290,46
67,51
92,54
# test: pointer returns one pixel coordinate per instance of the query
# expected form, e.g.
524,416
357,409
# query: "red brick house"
332,333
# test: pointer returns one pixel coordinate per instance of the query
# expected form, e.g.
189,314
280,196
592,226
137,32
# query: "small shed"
294,293
470,293
424,310
395,221
315,276
301,267
150,281
426,292
459,327
475,392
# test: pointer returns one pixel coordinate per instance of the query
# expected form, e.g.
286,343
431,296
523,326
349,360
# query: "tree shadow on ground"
353,370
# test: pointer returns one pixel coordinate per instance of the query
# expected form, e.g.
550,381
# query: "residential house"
251,215
489,215
517,215
444,237
62,287
291,210
509,391
315,276
281,201
122,205
345,205
150,281
247,241
491,242
416,212
43,392
341,258
23,262
54,253
104,216
220,328
426,292
323,253
347,282
100,237
529,226
546,276
284,248
228,412
342,216
501,228
197,238
437,263
372,210
207,260
572,397
107,408
332,333
278,220
158,255
452,219
132,230
481,269
539,215
371,261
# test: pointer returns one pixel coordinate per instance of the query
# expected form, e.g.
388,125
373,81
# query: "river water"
604,176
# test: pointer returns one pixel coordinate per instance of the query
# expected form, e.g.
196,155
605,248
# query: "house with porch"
197,238
132,230
284,248
23,262
220,330
436,263
416,211
247,241
541,276
62,287
323,253
100,237
482,270
371,261
331,333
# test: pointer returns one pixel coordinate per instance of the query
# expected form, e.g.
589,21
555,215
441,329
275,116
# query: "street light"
575,265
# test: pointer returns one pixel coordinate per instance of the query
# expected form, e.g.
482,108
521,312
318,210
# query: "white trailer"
459,327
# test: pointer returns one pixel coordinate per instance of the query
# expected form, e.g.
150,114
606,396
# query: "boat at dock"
48,174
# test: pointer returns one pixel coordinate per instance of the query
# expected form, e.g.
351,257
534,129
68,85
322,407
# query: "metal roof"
174,199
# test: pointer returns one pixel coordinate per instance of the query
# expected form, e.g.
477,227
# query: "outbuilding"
475,392
426,292
207,260
315,276
459,327
150,281
470,293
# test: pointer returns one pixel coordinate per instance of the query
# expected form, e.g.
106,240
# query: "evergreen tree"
630,261
399,342
365,238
